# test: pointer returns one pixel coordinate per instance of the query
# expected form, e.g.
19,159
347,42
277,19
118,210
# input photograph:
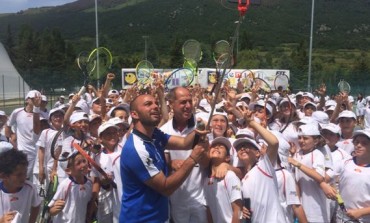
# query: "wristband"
193,159
299,165
36,109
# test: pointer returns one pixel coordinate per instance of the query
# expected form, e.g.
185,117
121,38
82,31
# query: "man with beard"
143,167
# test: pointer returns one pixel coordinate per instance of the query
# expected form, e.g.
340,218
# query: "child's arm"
237,207
57,207
33,214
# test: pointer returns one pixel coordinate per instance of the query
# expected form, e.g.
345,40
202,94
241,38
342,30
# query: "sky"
9,6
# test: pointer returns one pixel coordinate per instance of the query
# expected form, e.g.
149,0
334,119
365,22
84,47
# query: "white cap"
220,113
71,95
95,99
310,103
272,101
244,133
105,126
223,140
331,127
246,95
300,93
67,155
367,98
204,104
44,98
2,113
52,111
92,117
262,104
320,117
365,132
287,100
32,94
241,103
125,107
108,101
306,120
78,116
347,114
309,95
330,103
5,146
82,104
113,92
351,99
240,141
331,108
308,130
62,96
117,121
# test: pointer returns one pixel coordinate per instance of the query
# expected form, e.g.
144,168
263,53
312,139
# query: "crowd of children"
278,157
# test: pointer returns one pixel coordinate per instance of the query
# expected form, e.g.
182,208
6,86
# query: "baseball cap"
124,107
113,92
223,141
204,104
32,94
241,141
306,120
346,114
2,113
262,104
52,111
245,95
71,95
105,126
220,113
320,117
245,132
309,95
331,127
92,117
309,130
350,99
78,116
117,121
62,96
44,98
5,146
309,103
241,103
365,132
67,156
329,103
82,104
284,100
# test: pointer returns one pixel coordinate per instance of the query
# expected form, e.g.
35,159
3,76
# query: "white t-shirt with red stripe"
287,192
21,201
220,194
313,198
76,197
260,185
354,186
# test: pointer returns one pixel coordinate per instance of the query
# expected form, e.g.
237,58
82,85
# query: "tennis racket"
56,144
222,54
261,85
99,61
344,87
247,79
192,52
93,163
144,70
180,77
52,189
281,82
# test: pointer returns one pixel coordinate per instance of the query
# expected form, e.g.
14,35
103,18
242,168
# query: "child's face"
79,166
307,143
82,125
109,137
218,151
362,146
18,177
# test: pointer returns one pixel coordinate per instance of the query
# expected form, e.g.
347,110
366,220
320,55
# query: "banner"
208,76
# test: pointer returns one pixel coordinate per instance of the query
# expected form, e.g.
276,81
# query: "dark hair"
10,159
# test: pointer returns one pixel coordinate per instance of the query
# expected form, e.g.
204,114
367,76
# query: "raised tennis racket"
222,54
180,77
344,87
262,86
281,82
144,70
192,53
247,78
99,61
94,164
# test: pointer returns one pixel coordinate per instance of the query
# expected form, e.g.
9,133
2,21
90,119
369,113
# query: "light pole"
310,50
97,42
146,47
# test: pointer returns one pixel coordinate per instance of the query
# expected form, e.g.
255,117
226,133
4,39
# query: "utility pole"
146,47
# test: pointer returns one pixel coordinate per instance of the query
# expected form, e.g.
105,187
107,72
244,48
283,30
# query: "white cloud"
17,5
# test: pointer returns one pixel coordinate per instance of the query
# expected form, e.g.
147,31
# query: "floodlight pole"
146,47
97,42
310,50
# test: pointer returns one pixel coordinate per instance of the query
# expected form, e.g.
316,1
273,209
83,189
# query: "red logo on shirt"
358,170
14,199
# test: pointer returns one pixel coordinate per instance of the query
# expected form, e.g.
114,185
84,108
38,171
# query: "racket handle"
341,203
82,90
200,126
